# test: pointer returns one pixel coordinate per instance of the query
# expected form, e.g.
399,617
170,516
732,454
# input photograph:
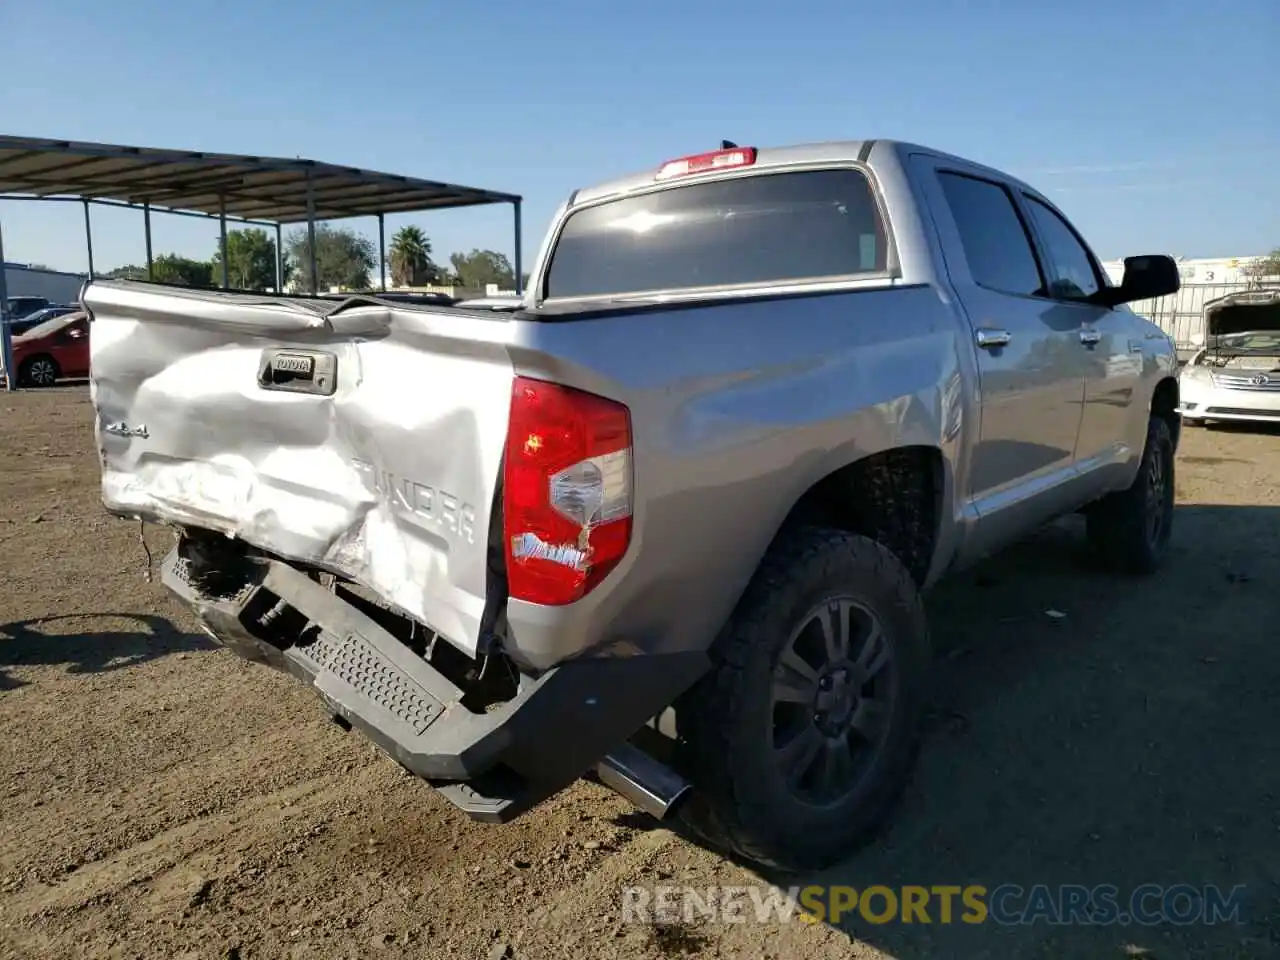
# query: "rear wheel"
39,371
1130,529
801,738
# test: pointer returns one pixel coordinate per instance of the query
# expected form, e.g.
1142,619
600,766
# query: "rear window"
763,229
26,304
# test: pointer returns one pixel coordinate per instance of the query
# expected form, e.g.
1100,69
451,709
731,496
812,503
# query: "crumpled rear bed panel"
389,482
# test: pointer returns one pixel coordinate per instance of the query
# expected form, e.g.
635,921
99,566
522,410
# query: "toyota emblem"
1261,380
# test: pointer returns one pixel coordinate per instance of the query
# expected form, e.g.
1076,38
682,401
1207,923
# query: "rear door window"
756,230
996,243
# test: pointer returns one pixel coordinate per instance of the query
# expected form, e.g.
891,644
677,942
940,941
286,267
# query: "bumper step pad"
352,664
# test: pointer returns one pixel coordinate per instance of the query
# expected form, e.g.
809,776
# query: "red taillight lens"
702,162
566,500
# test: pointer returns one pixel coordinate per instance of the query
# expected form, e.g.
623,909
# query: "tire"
39,371
1130,529
731,729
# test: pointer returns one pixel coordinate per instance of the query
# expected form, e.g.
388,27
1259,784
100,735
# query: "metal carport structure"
261,191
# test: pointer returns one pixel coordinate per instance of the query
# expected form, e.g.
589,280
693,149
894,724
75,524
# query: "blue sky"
1153,124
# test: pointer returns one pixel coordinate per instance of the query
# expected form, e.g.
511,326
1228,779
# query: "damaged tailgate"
362,437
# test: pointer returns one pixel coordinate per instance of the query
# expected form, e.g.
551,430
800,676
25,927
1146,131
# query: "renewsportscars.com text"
1008,904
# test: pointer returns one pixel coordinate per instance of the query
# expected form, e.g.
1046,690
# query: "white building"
56,286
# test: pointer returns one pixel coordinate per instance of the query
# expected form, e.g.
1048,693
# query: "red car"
57,348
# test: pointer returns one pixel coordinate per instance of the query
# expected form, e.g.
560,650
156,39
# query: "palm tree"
410,257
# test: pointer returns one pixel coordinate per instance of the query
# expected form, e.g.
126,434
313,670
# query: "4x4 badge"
122,429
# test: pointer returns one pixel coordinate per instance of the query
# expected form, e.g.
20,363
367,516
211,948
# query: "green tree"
182,271
480,267
129,271
410,258
344,258
251,260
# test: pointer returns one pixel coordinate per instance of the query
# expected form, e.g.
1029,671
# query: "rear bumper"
494,765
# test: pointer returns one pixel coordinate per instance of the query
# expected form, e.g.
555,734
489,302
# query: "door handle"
1090,337
991,339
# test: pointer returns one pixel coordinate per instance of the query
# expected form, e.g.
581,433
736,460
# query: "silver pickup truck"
667,523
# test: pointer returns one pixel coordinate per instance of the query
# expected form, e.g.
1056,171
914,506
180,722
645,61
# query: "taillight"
702,162
566,506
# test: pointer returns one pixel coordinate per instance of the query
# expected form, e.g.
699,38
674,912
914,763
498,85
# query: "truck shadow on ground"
1090,729
73,640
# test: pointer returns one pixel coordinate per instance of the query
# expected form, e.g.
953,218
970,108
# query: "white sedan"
1235,373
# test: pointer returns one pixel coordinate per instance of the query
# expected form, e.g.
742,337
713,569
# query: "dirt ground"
161,798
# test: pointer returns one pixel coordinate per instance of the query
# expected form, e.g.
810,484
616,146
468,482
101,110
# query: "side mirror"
1145,278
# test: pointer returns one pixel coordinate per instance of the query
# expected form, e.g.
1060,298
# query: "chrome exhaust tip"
648,783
